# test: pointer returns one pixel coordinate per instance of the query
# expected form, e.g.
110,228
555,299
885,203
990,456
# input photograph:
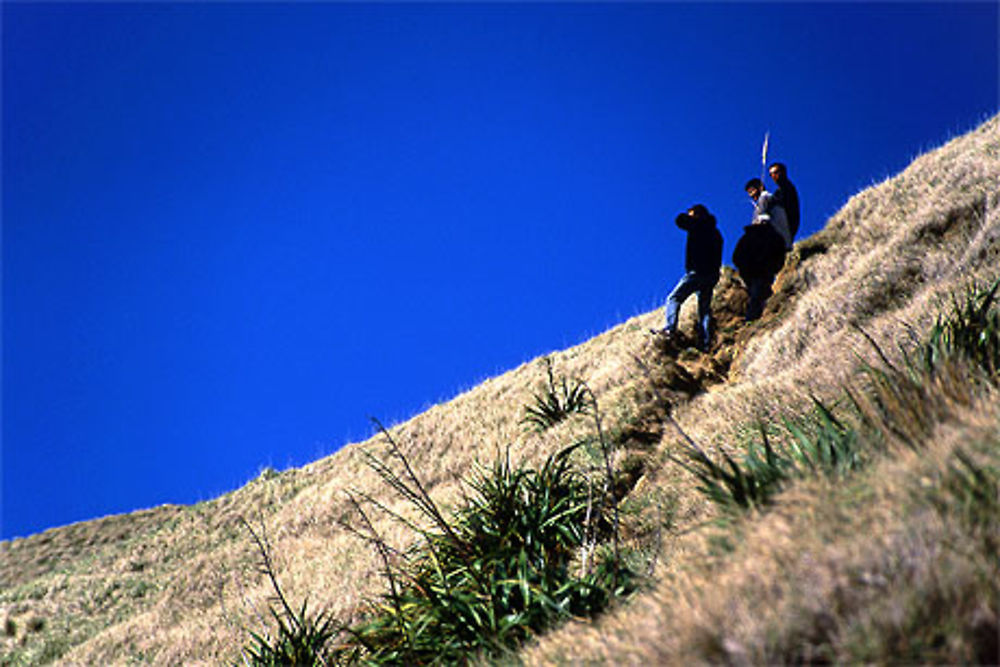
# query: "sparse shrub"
53,648
525,550
971,330
822,443
731,486
510,564
903,402
300,636
817,443
267,473
557,401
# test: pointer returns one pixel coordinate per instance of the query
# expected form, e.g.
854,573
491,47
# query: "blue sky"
233,232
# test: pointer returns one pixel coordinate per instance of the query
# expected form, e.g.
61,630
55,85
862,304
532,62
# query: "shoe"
666,333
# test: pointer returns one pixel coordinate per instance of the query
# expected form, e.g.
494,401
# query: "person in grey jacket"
768,210
702,260
759,256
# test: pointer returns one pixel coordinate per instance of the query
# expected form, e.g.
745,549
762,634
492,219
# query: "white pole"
763,157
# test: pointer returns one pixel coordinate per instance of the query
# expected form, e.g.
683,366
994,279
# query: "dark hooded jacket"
703,254
759,253
788,198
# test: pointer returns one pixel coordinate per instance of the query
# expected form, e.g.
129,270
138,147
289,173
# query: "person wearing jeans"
693,283
702,260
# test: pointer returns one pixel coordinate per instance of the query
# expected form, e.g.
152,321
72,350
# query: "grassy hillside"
849,567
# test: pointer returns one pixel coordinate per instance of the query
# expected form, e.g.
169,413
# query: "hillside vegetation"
889,556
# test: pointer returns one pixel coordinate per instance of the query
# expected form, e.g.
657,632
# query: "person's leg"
685,287
754,304
760,290
703,325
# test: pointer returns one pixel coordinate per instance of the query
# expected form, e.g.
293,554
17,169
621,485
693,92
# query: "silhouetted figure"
786,195
760,252
702,259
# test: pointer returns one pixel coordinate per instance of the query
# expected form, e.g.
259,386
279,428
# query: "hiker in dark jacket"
759,255
702,259
760,252
786,195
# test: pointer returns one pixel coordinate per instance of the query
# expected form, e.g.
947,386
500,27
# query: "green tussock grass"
523,552
900,403
556,401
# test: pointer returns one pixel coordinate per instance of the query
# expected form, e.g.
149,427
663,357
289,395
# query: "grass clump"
557,401
900,404
972,331
521,554
817,443
300,637
527,549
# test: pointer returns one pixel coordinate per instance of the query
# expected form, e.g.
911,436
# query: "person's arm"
761,209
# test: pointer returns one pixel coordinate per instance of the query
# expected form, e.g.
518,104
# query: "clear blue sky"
233,232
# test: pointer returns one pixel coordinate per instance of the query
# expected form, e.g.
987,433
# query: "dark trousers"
759,289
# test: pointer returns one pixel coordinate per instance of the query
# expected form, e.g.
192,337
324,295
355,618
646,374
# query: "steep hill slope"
179,585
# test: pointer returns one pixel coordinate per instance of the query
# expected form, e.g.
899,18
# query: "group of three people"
759,254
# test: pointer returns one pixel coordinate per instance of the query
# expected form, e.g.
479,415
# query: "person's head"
778,171
754,187
698,211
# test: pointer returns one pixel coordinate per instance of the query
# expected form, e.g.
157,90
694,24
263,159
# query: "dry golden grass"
200,588
177,585
833,572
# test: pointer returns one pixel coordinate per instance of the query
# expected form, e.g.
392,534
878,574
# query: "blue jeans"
690,283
